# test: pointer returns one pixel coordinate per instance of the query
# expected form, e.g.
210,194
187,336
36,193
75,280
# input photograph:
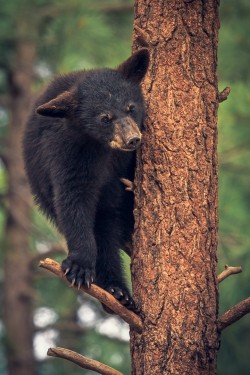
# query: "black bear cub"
78,144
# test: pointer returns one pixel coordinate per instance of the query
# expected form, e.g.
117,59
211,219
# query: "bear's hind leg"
109,273
109,276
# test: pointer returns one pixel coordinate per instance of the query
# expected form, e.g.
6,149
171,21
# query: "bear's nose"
133,143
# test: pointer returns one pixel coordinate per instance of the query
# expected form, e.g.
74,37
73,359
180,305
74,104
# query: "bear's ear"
61,106
136,66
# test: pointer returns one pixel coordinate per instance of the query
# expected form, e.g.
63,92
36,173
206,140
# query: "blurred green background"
85,34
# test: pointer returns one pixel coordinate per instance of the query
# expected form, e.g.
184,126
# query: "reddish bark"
175,241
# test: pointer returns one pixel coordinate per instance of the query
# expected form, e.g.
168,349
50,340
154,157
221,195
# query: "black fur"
74,170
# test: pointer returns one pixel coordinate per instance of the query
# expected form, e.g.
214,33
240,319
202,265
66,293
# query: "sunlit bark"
175,241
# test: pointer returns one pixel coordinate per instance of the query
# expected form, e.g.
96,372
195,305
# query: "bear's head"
105,104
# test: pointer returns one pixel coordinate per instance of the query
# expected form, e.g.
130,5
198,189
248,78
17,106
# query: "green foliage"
234,208
234,180
234,41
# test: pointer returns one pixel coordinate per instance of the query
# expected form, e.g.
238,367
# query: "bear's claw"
78,275
122,296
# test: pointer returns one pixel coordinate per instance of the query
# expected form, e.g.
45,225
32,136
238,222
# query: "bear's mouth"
123,147
127,136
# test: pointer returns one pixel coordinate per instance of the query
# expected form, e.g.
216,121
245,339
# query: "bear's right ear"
136,66
61,106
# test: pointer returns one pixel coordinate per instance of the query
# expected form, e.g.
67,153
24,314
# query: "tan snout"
127,136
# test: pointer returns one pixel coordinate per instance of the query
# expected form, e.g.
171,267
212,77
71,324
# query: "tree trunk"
175,241
18,284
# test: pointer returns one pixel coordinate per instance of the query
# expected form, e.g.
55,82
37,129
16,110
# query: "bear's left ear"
136,66
61,106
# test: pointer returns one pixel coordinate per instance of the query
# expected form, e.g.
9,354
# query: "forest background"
86,34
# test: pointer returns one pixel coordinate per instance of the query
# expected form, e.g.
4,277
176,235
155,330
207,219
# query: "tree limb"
235,313
222,96
228,271
82,361
95,291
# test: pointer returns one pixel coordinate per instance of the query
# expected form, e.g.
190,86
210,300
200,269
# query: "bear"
79,142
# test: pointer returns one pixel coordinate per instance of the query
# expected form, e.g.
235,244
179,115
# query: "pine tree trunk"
175,241
18,283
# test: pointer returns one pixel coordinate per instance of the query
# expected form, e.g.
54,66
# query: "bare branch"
222,96
95,291
228,271
235,313
82,361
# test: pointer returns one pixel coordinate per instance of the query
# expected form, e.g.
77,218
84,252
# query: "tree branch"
235,313
228,271
95,291
82,361
222,96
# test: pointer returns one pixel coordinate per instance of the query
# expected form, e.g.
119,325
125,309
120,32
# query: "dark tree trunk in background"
175,241
18,284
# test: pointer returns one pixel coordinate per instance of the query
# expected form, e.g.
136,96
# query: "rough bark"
17,290
175,241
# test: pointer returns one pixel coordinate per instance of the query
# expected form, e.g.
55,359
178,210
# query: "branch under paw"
95,291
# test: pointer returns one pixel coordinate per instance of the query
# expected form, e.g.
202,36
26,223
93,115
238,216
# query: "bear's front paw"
122,296
77,274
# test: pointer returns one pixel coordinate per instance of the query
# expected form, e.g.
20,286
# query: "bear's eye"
130,108
106,118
